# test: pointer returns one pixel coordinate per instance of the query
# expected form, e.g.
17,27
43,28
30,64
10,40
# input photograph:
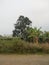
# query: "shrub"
17,45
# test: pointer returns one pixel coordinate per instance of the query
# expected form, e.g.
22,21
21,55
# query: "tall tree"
21,26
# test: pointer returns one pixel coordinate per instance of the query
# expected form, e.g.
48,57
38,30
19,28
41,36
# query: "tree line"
24,30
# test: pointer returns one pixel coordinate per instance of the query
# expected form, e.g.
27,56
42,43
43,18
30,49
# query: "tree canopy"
22,24
25,31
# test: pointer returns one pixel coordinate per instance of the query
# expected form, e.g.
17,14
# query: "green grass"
16,45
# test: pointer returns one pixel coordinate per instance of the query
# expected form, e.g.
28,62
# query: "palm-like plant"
34,34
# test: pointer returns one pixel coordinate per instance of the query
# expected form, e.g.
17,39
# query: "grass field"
24,59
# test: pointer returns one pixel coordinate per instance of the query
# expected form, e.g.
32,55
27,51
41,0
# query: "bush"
16,45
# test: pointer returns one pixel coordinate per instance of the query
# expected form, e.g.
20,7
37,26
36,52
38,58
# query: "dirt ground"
24,59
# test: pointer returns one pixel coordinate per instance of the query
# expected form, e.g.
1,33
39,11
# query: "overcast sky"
36,10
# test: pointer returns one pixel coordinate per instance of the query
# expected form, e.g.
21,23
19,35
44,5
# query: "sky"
36,10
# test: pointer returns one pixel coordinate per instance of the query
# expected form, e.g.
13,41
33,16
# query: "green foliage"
25,39
27,33
21,26
19,46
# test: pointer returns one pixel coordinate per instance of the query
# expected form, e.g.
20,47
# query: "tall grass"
16,45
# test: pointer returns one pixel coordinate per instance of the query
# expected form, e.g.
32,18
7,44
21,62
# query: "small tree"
46,36
34,34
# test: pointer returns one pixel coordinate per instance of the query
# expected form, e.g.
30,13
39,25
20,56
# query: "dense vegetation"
25,39
17,45
25,31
